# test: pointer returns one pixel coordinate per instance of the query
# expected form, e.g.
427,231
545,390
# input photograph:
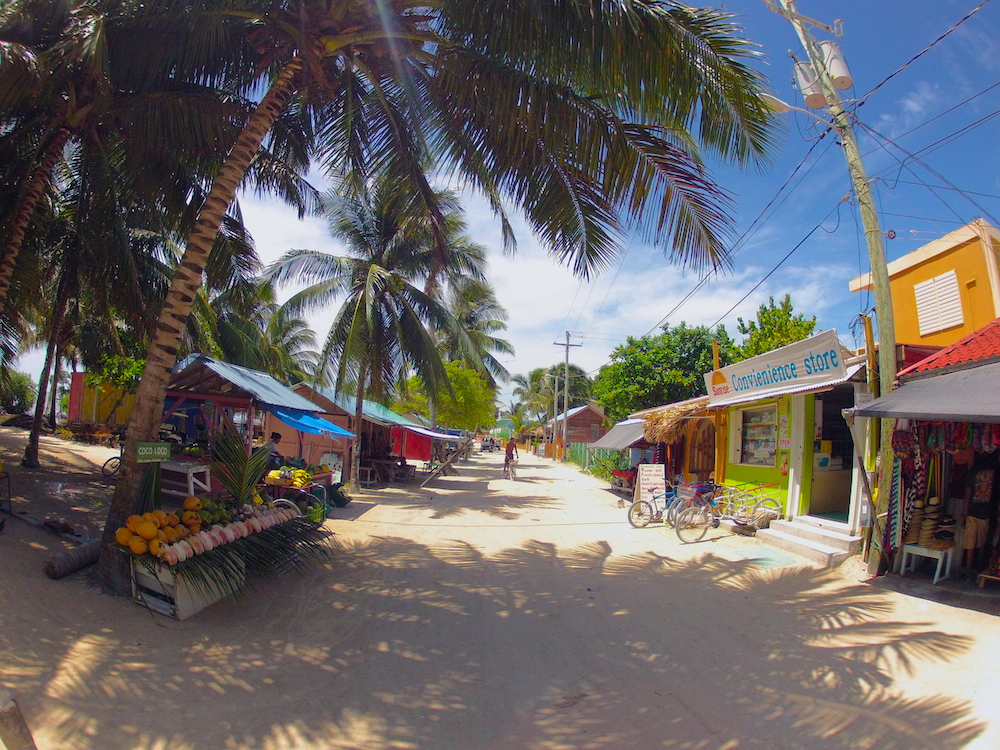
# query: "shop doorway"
701,463
833,456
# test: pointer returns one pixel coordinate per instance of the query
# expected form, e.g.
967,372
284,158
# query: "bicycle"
113,464
729,504
510,469
642,512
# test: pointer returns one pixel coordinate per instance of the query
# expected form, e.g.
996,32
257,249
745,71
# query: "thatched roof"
665,424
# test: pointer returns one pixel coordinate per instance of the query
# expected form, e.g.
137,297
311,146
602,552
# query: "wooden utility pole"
873,236
565,397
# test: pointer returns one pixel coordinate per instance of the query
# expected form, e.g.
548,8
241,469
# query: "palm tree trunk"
162,352
359,411
40,180
54,403
30,458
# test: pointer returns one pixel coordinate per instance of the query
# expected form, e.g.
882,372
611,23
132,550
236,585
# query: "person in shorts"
511,453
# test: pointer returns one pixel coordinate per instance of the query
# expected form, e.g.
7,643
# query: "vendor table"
943,556
184,478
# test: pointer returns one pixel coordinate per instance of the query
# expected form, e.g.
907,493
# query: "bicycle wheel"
765,511
640,513
111,466
692,524
671,510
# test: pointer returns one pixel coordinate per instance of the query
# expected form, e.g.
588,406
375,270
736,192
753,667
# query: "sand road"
486,613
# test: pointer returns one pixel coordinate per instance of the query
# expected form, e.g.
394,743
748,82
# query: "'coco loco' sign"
817,360
151,453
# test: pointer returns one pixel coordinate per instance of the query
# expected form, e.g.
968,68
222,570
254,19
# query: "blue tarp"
306,422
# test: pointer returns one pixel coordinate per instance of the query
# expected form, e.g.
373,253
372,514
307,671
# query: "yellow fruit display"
194,528
123,535
192,503
172,519
160,517
146,530
154,547
131,522
171,534
138,546
161,534
190,517
149,517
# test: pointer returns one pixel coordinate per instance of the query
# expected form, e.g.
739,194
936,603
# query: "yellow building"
946,289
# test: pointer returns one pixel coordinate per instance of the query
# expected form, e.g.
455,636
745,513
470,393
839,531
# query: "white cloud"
910,110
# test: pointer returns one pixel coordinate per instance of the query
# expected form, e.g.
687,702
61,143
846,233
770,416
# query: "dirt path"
485,613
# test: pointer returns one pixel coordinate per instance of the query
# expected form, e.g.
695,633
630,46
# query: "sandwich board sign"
151,453
652,481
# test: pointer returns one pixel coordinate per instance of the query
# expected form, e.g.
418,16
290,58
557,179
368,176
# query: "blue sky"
879,36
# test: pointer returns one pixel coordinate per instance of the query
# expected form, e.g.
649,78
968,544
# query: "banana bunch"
301,478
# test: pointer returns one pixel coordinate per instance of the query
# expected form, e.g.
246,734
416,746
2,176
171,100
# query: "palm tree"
475,307
260,334
383,328
511,97
83,76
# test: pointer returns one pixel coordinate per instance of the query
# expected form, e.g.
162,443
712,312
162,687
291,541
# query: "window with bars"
939,303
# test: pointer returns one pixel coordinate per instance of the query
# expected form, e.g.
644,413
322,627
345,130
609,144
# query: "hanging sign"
151,453
651,481
815,361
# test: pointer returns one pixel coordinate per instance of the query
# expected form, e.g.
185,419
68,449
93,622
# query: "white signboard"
651,481
815,361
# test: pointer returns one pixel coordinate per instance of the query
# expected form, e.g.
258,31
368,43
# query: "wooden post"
14,732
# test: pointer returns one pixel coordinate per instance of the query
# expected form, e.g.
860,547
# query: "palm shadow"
404,644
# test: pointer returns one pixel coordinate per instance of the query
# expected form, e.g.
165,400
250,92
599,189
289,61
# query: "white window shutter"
939,303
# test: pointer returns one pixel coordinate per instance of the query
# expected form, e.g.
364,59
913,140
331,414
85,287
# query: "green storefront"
783,429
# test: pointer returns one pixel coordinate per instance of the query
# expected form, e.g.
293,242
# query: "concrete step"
830,537
817,552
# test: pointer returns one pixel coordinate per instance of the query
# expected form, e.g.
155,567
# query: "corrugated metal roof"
258,385
570,414
968,395
370,409
621,436
983,344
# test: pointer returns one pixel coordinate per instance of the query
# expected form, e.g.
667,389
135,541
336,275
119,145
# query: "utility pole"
869,219
862,188
565,393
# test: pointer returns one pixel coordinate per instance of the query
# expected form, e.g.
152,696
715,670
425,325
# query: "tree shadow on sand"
399,644
475,489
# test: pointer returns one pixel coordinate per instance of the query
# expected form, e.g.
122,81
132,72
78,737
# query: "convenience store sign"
817,360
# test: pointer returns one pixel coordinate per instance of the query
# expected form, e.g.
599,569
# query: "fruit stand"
182,561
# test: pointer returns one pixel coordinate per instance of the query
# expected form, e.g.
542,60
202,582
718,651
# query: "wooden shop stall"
203,389
943,500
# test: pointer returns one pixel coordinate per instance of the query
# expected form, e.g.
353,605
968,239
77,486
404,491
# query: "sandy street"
487,613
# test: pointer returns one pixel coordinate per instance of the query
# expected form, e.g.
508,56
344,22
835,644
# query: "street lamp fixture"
780,107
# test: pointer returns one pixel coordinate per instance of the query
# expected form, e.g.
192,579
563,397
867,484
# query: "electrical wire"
768,275
750,231
945,187
914,157
781,262
942,114
860,101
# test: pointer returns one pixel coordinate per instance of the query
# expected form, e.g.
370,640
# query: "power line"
750,231
921,53
933,171
947,111
945,187
768,275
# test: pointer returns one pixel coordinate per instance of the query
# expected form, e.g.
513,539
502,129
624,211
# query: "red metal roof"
983,344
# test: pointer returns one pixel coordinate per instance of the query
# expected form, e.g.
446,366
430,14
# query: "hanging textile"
890,539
